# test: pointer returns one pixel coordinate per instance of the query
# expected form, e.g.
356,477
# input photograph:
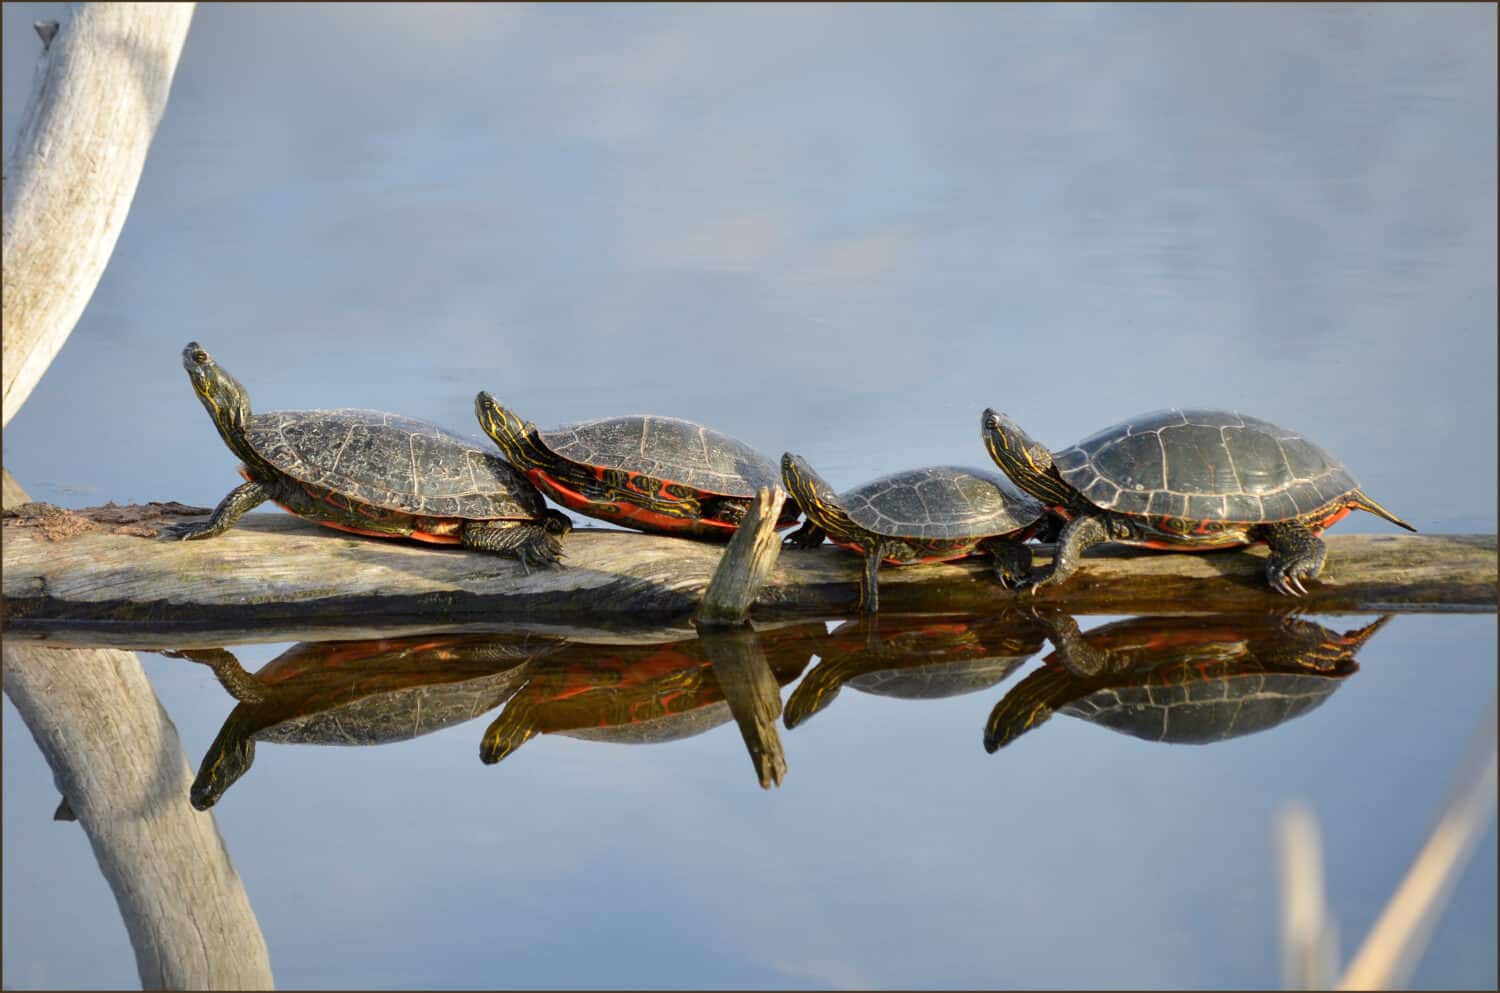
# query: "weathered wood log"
274,572
101,89
748,559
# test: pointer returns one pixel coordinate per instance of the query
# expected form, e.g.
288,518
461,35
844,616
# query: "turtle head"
225,763
516,438
1025,460
223,397
811,491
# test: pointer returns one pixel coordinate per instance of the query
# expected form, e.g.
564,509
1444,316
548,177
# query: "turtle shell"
394,462
1204,465
666,448
370,693
1204,706
940,502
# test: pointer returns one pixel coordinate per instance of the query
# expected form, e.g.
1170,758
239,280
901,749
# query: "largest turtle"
1187,479
370,473
660,474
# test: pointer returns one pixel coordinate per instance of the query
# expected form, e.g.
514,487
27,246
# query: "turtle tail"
1359,501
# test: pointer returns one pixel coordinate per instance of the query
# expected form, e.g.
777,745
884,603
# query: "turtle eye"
200,356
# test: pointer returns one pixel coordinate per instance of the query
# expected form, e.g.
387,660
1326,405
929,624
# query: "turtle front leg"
869,586
1080,534
240,500
1073,650
1296,554
809,535
526,542
1011,561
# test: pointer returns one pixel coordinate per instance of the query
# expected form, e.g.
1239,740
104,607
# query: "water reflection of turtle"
356,693
641,694
1183,680
915,657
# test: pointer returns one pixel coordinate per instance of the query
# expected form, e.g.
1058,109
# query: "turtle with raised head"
371,473
934,514
1190,480
1183,680
659,474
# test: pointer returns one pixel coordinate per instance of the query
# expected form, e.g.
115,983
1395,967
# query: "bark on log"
100,90
274,571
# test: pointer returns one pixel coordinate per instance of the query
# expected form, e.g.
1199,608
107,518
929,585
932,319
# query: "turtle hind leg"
240,500
869,584
1011,561
529,543
1296,554
1080,534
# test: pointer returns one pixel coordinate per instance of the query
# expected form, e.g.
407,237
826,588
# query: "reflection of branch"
1309,941
1386,959
1394,945
117,759
101,88
753,695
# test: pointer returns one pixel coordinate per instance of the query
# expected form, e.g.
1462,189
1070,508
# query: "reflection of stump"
753,695
119,764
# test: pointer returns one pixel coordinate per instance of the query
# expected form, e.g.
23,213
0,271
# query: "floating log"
275,573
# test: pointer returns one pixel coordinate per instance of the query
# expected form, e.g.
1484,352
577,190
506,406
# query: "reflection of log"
120,766
100,90
122,773
275,570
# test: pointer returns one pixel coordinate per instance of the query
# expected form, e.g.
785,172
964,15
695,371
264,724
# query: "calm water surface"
845,234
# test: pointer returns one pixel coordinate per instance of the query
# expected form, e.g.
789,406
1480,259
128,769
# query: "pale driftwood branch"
1391,950
122,773
747,561
274,572
754,698
100,91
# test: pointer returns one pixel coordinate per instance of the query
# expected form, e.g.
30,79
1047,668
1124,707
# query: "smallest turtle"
933,514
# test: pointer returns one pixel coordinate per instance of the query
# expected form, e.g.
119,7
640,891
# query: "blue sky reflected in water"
1073,213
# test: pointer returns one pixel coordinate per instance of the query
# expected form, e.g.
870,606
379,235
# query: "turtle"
919,657
932,514
1182,680
656,692
356,693
1190,480
371,473
660,474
